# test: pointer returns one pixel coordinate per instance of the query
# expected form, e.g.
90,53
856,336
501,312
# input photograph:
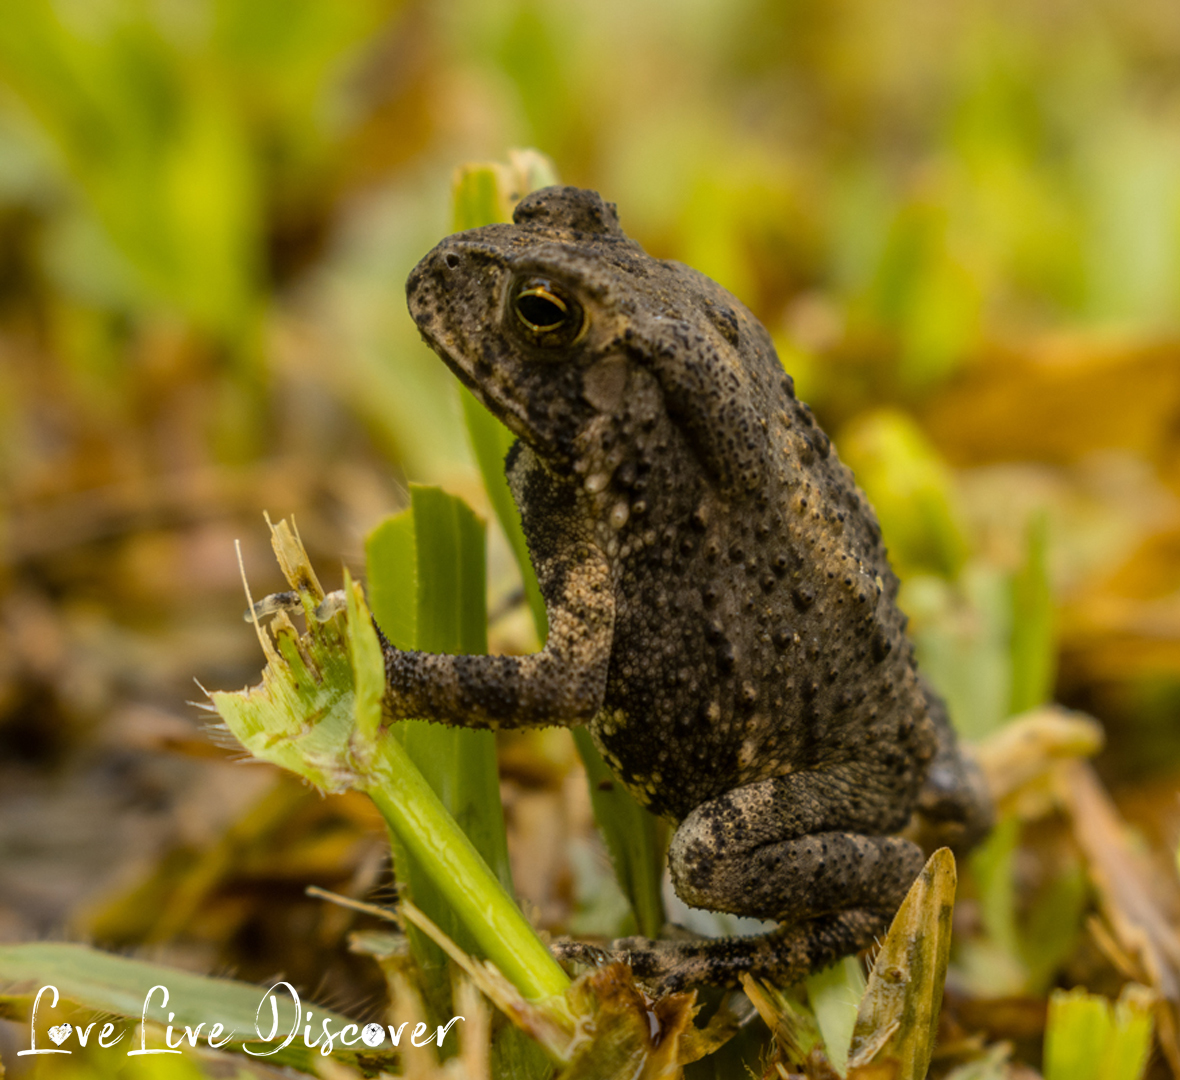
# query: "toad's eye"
540,309
553,320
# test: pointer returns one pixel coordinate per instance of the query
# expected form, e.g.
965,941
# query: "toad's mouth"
465,352
457,351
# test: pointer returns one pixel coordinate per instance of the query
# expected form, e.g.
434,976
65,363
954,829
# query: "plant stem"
413,811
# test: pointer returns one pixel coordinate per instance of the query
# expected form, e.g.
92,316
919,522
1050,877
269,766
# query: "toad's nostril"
452,260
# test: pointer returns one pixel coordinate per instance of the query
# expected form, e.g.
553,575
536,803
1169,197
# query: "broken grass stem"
413,811
318,713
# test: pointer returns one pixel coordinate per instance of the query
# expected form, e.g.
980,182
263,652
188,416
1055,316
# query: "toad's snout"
453,277
431,282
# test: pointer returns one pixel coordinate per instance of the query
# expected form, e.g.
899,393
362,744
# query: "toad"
722,613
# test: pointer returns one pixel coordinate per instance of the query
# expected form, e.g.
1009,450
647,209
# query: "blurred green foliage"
899,186
1089,1036
939,171
182,128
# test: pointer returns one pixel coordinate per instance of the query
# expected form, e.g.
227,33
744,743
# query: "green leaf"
426,577
633,838
477,198
391,578
961,631
1054,926
1033,645
157,146
118,986
485,193
992,863
491,441
834,994
426,572
1129,1046
302,715
1089,1038
452,586
481,904
925,295
368,672
898,1016
460,764
994,961
391,568
176,128
632,835
315,713
1076,1032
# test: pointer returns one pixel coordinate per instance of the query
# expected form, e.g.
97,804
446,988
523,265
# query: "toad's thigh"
795,879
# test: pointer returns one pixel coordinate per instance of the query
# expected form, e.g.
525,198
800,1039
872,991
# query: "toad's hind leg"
834,892
807,850
783,956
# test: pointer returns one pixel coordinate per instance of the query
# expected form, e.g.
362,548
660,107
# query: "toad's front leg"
563,684
807,850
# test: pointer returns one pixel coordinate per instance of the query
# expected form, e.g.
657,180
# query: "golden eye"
541,310
552,319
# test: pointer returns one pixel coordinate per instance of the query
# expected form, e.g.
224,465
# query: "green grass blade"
632,835
633,838
484,193
1054,924
391,568
426,579
1076,1033
391,582
994,962
482,905
481,196
1130,1043
491,440
478,200
1033,645
1088,1038
897,1020
320,694
911,489
834,994
992,863
368,673
452,618
448,868
962,631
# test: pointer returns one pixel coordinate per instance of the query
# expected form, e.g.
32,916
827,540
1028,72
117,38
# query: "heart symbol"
60,1033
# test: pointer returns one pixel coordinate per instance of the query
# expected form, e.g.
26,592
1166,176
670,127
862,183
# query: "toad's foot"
783,956
569,950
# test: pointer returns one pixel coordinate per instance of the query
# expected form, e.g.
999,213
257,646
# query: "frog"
722,612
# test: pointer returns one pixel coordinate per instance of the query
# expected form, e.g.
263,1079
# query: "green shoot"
318,713
1088,1037
484,195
